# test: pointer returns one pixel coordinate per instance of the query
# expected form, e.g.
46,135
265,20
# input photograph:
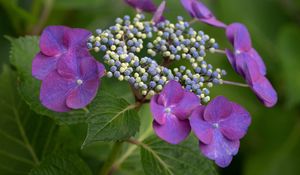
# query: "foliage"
31,141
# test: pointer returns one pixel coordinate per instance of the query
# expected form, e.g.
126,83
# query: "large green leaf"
114,119
289,52
23,50
159,157
62,163
25,137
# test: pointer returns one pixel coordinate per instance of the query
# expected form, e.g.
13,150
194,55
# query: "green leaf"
113,119
159,157
62,164
25,136
22,52
288,52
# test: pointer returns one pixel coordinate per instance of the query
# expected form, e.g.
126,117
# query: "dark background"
272,144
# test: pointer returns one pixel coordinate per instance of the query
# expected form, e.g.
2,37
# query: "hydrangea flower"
142,5
247,62
171,109
57,42
73,85
69,74
219,126
239,37
199,11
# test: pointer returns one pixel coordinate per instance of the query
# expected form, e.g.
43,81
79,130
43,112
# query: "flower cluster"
69,74
245,60
163,61
123,42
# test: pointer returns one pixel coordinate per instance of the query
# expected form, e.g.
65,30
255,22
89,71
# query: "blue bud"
198,70
113,68
188,87
89,45
104,40
98,31
126,18
205,91
118,63
131,80
103,48
179,18
110,42
136,63
152,84
117,74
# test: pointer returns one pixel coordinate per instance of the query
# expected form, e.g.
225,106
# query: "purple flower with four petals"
73,85
247,62
219,126
58,42
199,11
171,110
70,75
142,5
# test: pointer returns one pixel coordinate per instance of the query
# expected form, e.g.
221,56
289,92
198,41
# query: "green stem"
132,148
107,167
235,83
48,5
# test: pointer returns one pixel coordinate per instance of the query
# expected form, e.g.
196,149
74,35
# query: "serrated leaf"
288,51
22,52
113,119
62,163
159,157
25,137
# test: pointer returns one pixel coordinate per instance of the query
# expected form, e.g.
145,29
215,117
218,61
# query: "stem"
106,169
193,21
131,149
220,51
235,83
48,4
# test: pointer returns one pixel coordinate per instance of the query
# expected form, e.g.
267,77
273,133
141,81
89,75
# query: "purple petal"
88,68
242,39
171,94
220,149
42,65
265,91
158,15
174,130
202,13
200,10
231,58
260,85
184,108
158,111
83,94
77,38
52,41
54,91
214,22
187,4
219,108
260,63
67,66
143,5
236,125
101,70
200,127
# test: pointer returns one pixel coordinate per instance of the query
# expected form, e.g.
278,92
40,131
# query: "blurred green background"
272,145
